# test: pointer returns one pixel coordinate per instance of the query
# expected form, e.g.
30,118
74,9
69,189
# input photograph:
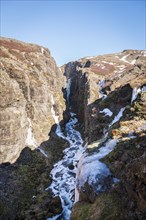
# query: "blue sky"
75,29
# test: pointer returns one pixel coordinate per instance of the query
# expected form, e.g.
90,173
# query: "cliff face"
94,78
30,85
108,93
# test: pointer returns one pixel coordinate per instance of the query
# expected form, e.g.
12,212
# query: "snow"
68,84
42,151
144,53
143,88
135,93
124,58
111,63
30,140
53,111
117,117
106,111
91,169
133,62
42,50
101,84
76,194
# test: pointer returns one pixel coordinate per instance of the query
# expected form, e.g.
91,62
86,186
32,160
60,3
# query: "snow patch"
135,93
30,140
53,111
42,50
68,84
106,111
90,168
124,58
117,117
144,53
42,151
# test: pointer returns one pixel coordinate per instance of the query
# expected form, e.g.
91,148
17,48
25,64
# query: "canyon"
73,139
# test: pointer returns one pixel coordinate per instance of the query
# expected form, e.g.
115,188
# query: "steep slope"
30,85
108,94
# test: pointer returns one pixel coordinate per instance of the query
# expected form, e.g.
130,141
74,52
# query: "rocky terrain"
108,95
30,84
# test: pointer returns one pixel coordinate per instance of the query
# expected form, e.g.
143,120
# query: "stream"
64,171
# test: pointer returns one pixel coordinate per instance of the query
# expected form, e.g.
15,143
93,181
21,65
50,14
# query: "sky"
78,28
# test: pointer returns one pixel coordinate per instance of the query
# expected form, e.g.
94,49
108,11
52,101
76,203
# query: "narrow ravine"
64,172
77,166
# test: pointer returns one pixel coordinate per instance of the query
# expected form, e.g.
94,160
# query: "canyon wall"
30,85
108,94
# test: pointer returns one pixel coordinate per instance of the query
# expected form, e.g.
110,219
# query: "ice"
135,93
42,151
30,140
106,111
55,217
63,177
118,116
90,168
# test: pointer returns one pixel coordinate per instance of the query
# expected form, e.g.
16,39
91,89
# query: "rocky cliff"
30,85
108,93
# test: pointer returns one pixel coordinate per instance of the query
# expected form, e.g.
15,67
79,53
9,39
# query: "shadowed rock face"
29,77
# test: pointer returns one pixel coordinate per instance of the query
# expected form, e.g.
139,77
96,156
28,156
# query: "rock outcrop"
30,85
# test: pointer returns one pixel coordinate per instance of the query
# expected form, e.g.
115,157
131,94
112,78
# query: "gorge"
72,138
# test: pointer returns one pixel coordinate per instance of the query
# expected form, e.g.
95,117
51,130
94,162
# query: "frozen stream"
64,172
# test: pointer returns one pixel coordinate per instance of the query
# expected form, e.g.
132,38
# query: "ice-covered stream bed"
64,172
